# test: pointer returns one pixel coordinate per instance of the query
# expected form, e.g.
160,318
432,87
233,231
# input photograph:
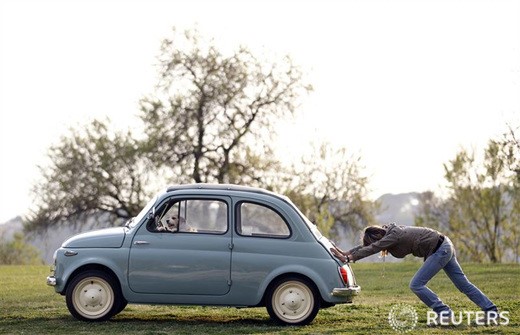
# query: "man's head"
373,234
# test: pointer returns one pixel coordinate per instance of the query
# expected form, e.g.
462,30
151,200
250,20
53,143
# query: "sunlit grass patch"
29,306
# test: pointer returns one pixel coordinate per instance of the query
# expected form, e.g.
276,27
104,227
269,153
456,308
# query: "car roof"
224,187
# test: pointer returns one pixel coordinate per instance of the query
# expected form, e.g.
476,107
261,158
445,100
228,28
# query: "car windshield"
134,221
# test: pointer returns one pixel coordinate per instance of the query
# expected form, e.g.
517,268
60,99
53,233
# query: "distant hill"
50,240
398,208
9,228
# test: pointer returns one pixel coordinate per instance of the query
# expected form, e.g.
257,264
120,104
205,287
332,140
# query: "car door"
262,243
185,250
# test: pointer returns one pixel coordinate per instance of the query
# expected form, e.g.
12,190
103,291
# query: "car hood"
104,238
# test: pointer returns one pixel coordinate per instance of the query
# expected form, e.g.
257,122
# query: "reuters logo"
402,318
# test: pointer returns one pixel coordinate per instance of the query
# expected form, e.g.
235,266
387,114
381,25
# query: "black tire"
122,305
292,301
94,296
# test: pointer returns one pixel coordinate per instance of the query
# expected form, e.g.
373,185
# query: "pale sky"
403,84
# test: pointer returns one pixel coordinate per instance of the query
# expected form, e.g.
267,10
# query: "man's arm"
390,239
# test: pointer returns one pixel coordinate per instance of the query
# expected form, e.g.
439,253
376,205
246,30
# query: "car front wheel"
293,301
93,296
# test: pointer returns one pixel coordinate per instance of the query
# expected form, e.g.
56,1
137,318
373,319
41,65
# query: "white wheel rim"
293,301
93,297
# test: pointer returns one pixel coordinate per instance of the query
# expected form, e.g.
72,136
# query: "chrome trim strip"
69,253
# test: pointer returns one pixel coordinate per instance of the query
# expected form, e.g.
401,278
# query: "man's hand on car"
339,255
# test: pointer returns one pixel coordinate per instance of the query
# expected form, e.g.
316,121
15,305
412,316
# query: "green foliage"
328,187
210,119
206,122
17,251
510,150
433,212
92,169
481,211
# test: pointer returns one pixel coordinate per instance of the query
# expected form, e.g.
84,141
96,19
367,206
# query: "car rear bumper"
346,292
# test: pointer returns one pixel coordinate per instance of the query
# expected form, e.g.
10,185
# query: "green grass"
28,306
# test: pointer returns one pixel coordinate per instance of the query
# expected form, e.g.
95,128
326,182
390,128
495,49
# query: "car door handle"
141,242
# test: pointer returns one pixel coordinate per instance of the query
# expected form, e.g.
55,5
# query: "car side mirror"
152,216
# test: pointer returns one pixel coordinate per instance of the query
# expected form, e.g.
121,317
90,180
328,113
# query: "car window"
258,220
193,216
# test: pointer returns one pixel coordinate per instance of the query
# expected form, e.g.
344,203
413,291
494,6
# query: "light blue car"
201,244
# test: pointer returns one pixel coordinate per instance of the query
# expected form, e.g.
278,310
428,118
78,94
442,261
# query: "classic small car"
203,244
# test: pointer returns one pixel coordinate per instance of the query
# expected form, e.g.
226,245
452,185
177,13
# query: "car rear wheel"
293,301
93,296
120,307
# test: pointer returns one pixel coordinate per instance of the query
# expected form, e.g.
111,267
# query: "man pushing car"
438,253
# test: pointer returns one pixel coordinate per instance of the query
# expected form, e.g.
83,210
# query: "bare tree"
213,114
211,119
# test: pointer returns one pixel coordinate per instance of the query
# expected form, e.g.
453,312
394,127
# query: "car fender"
294,269
116,265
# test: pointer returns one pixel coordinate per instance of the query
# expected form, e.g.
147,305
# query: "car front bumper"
51,281
346,292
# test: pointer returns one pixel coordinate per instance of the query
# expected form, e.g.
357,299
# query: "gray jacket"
400,241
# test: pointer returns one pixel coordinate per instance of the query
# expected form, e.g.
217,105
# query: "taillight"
345,275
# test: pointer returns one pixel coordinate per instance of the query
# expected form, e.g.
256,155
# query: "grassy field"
28,306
